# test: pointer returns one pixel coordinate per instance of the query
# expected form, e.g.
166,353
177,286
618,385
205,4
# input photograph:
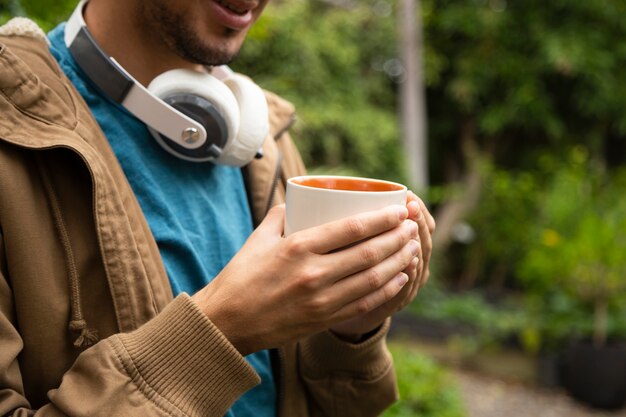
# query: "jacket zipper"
279,161
270,201
281,384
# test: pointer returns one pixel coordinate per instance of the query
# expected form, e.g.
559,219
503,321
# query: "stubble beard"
169,28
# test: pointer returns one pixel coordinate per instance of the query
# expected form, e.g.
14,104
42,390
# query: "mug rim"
401,187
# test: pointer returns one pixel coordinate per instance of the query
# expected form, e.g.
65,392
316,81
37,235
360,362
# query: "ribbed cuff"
183,358
325,353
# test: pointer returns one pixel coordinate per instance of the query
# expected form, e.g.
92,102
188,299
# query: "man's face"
208,32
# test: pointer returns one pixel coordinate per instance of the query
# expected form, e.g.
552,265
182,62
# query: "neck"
115,27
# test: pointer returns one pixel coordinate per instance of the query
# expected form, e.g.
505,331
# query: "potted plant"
579,258
595,370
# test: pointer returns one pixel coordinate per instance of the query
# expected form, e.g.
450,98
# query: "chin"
206,50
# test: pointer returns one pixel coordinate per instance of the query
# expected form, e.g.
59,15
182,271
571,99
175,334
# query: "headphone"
220,117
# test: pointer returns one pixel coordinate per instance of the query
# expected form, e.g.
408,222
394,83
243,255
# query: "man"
99,235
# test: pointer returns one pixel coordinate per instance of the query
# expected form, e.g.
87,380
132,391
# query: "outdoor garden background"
526,143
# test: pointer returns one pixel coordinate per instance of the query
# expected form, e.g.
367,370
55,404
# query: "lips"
234,7
234,14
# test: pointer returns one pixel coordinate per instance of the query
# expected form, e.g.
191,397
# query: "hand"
426,226
277,290
418,273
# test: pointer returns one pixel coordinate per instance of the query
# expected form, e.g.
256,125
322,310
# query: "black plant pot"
549,370
596,376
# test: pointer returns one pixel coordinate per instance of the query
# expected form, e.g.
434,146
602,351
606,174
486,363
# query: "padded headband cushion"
183,81
254,123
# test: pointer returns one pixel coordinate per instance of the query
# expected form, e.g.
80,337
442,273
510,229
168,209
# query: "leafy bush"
47,13
554,236
505,211
526,75
482,324
426,389
577,242
329,61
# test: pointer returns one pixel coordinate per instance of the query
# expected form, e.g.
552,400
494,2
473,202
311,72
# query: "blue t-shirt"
198,212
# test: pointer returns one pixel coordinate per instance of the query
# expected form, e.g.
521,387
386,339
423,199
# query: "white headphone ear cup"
254,121
183,81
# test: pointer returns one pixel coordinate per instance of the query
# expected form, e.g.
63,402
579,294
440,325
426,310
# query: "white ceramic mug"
312,200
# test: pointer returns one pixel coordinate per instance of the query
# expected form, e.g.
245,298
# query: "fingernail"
414,247
402,279
402,212
414,206
412,227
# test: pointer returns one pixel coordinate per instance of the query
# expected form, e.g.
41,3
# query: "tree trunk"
412,95
450,213
600,322
472,269
15,8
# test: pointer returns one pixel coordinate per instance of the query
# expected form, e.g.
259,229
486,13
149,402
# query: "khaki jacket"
78,265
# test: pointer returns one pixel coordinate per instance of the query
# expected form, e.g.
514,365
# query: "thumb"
274,221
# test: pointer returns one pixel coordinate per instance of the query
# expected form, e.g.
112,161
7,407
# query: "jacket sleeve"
346,379
177,364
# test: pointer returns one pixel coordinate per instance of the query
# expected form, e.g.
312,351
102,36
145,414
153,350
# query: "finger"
414,209
411,288
373,279
413,271
430,220
425,238
371,252
373,300
400,301
392,306
426,241
344,232
410,196
425,275
418,281
274,221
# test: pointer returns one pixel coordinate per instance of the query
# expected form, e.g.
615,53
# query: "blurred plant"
336,63
577,242
6,10
514,80
47,13
426,389
522,75
554,320
559,233
500,222
482,324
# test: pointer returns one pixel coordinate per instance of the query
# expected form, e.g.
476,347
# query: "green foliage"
47,13
483,325
506,210
330,62
577,243
554,319
528,74
7,10
557,235
426,390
